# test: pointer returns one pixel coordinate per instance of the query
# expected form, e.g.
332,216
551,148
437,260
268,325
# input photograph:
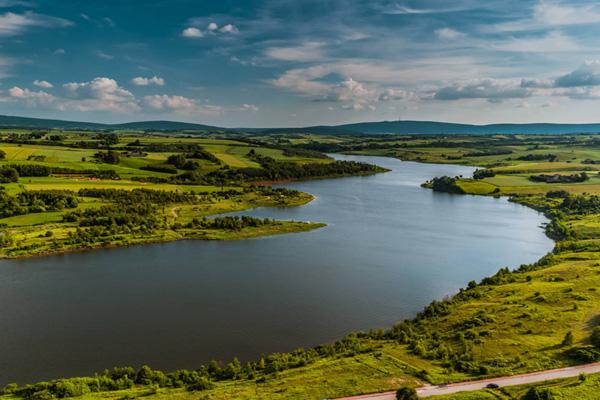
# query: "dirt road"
513,380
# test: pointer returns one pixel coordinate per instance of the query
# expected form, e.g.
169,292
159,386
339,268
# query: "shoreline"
310,226
150,241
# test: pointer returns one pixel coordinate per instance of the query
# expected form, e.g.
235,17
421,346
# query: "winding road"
430,390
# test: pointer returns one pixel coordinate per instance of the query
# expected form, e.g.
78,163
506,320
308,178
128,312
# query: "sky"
279,63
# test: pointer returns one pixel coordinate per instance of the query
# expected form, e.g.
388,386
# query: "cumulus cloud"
537,83
43,84
588,74
99,94
31,97
192,32
12,24
354,93
395,94
229,28
493,90
201,27
105,94
142,81
180,104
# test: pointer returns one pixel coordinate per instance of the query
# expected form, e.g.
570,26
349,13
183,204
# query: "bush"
595,338
568,339
406,393
2,154
538,394
483,173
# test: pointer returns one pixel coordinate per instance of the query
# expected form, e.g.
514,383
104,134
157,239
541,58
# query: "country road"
533,377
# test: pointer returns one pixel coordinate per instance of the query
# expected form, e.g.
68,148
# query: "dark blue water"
390,247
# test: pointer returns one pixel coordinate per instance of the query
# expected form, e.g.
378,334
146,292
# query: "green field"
70,162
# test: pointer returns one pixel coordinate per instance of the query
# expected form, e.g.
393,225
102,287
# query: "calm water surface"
390,247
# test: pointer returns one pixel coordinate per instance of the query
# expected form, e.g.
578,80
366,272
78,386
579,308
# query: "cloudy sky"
301,62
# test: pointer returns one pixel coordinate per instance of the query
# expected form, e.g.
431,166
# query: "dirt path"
533,377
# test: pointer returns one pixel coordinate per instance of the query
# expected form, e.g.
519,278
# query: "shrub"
595,338
568,339
538,394
406,393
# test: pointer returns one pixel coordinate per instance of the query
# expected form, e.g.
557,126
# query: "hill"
25,122
430,127
383,127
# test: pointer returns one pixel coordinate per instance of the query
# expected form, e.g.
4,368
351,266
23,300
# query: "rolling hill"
383,127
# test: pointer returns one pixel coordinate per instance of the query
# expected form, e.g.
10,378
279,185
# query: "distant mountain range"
384,127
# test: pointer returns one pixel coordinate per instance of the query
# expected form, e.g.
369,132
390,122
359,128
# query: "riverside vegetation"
63,191
539,316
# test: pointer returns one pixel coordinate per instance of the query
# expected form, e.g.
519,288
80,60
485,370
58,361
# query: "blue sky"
302,62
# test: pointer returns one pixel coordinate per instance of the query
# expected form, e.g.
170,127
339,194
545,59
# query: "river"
390,247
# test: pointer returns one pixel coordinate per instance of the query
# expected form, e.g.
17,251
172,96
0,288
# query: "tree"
2,154
178,160
8,174
109,157
406,393
110,139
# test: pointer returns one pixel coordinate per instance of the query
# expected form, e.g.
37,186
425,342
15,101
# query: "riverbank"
38,244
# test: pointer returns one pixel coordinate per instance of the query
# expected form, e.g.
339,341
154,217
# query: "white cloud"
30,97
309,51
554,14
490,89
192,32
141,81
43,84
212,26
99,94
449,34
229,28
59,51
12,24
395,94
180,104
